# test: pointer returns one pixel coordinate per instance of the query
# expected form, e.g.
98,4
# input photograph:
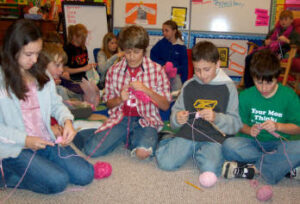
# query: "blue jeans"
274,166
172,153
139,137
48,173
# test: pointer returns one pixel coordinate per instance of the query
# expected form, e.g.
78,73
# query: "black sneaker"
232,170
295,174
165,135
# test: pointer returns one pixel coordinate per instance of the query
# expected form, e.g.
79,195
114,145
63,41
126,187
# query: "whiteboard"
234,16
163,12
93,16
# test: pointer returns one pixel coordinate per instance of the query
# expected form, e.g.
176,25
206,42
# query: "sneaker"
165,135
295,174
232,170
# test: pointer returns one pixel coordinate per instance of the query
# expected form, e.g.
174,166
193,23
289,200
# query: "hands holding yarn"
68,134
182,117
207,114
36,143
268,125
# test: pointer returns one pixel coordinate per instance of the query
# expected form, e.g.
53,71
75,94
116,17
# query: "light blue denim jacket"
12,128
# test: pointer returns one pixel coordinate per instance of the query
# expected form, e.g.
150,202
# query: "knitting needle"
193,185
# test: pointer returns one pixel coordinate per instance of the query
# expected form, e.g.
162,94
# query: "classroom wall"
195,29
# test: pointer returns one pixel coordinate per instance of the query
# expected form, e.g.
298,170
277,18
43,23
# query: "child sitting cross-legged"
206,112
133,120
270,115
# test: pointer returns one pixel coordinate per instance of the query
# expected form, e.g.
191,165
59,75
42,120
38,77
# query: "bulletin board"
232,16
154,12
93,16
232,54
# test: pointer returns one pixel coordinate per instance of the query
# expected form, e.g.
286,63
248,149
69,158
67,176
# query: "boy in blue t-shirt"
267,110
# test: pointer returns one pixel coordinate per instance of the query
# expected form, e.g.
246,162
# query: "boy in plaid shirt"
136,88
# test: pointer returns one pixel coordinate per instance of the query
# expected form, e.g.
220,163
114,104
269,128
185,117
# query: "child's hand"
57,81
125,93
68,133
90,66
57,130
66,75
267,42
282,38
208,114
138,86
182,117
269,126
255,130
121,54
36,143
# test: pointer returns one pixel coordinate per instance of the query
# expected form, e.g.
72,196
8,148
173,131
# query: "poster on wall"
179,16
224,56
232,54
292,2
140,13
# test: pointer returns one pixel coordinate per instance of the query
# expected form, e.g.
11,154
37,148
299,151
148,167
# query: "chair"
190,64
291,75
95,52
291,65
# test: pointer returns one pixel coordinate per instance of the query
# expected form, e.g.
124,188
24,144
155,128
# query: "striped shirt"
152,75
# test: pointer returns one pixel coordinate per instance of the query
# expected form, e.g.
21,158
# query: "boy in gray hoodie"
206,112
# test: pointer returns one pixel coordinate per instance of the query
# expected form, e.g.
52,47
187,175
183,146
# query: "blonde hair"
53,51
106,39
78,30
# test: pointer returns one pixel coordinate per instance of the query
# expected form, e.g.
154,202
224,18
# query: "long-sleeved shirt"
164,51
12,128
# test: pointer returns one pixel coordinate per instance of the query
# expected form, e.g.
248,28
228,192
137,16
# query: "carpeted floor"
134,181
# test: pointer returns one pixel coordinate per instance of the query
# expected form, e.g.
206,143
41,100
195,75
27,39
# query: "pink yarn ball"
102,170
264,193
208,179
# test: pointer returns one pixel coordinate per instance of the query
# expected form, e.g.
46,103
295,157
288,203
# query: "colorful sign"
140,13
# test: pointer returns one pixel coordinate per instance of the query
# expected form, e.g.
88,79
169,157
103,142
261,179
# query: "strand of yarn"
265,192
206,179
142,96
128,129
66,157
21,179
2,173
197,115
277,135
193,137
99,144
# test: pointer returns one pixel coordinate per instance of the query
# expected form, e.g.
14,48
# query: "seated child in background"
108,55
133,120
209,102
266,109
278,41
172,49
73,94
28,100
77,64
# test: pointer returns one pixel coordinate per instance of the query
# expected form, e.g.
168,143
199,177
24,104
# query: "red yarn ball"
102,170
264,193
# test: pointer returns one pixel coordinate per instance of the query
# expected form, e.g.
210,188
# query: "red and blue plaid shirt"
152,75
